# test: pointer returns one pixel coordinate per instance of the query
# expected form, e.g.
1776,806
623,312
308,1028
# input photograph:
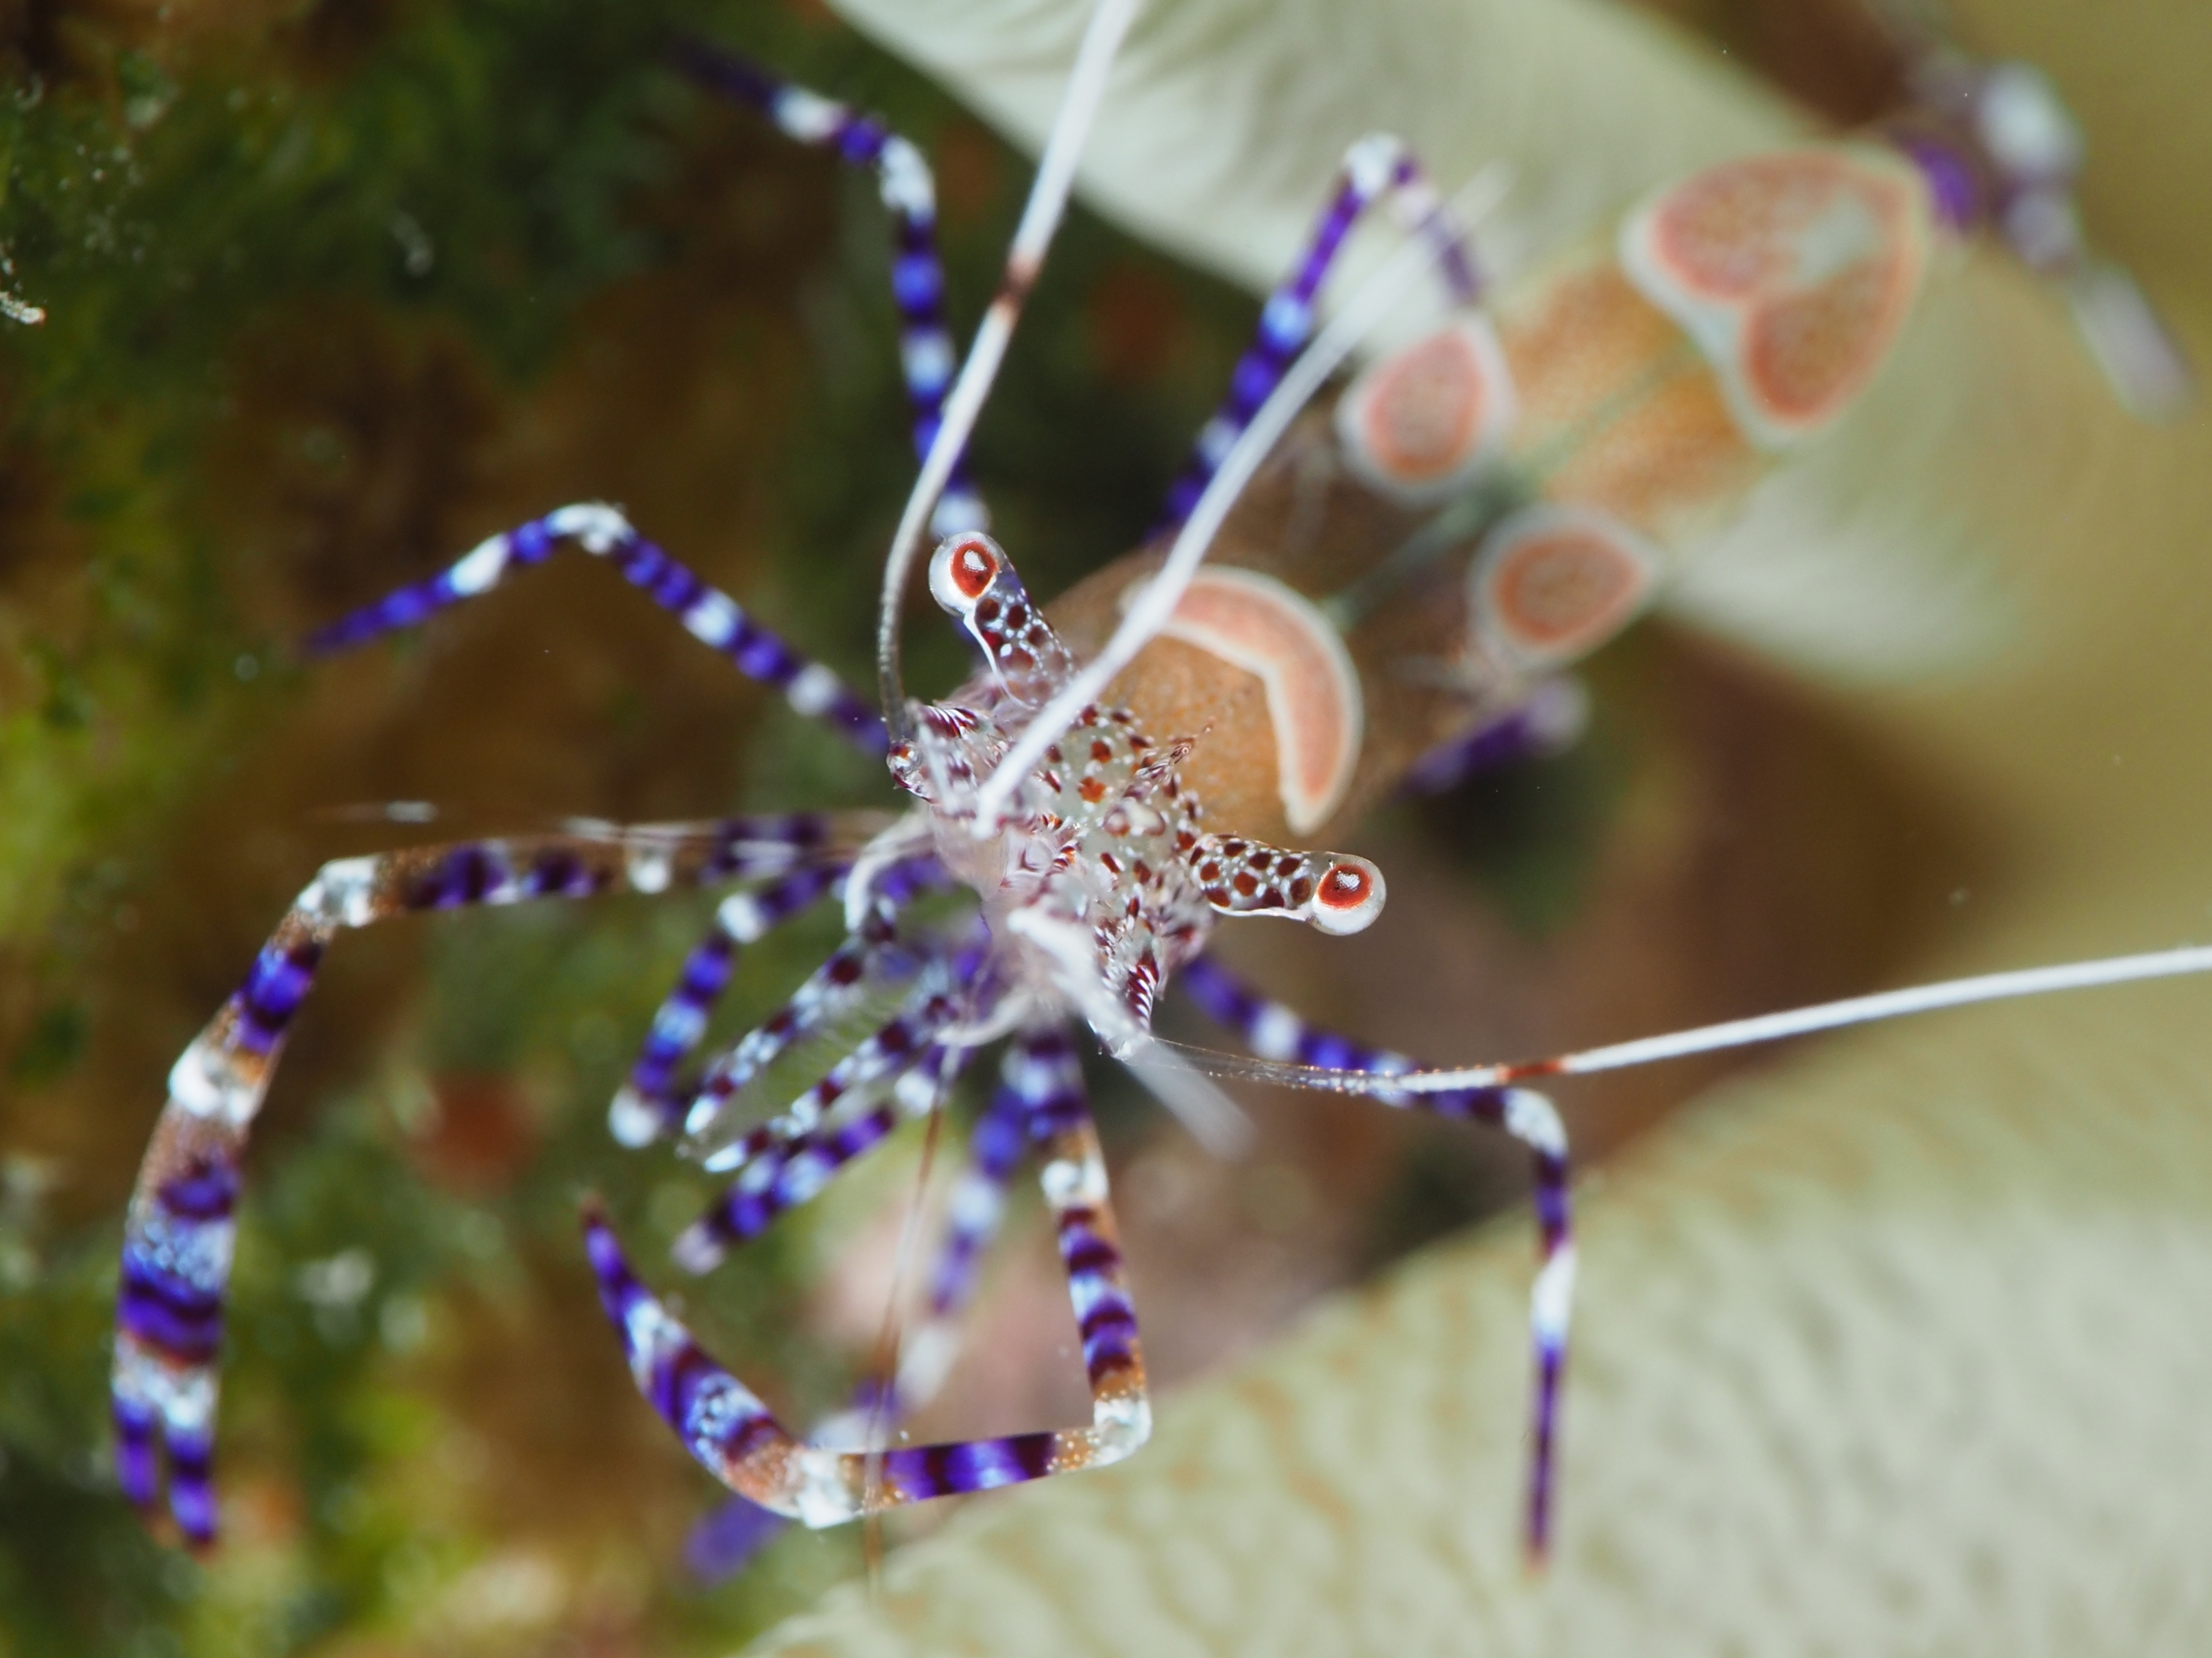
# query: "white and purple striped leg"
927,356
977,1205
650,1105
871,956
1274,1032
725,1542
731,1434
708,614
1037,1075
1377,166
1550,721
932,1006
646,1108
785,1170
179,1230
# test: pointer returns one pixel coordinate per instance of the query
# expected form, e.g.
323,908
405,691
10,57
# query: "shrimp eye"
962,568
1349,897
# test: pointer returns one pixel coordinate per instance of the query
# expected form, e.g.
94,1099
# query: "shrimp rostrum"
1401,571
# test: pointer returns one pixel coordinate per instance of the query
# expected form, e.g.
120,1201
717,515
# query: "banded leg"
926,357
1551,720
645,1109
1031,1076
708,614
180,1229
977,1205
870,957
784,1171
723,1543
1376,166
931,1008
649,1105
1273,1031
735,1438
780,1177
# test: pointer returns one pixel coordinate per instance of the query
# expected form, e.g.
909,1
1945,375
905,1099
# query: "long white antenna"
1735,1032
1149,612
1055,176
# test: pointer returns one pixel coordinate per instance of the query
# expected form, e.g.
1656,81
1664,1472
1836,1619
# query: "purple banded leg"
780,1177
1377,166
1029,1074
926,357
931,1007
646,1108
1273,1031
179,1230
746,848
1042,1069
725,1541
977,1205
869,957
782,1171
708,614
733,1436
1551,720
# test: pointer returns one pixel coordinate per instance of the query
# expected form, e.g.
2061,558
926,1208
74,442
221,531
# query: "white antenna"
1735,1032
1151,607
1055,176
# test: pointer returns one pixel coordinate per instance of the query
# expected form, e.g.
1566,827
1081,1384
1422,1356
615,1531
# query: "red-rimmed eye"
1348,897
963,570
974,569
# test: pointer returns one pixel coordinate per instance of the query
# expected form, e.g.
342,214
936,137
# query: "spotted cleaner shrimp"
1147,760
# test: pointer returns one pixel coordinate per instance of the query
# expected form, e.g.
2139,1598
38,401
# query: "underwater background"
334,289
